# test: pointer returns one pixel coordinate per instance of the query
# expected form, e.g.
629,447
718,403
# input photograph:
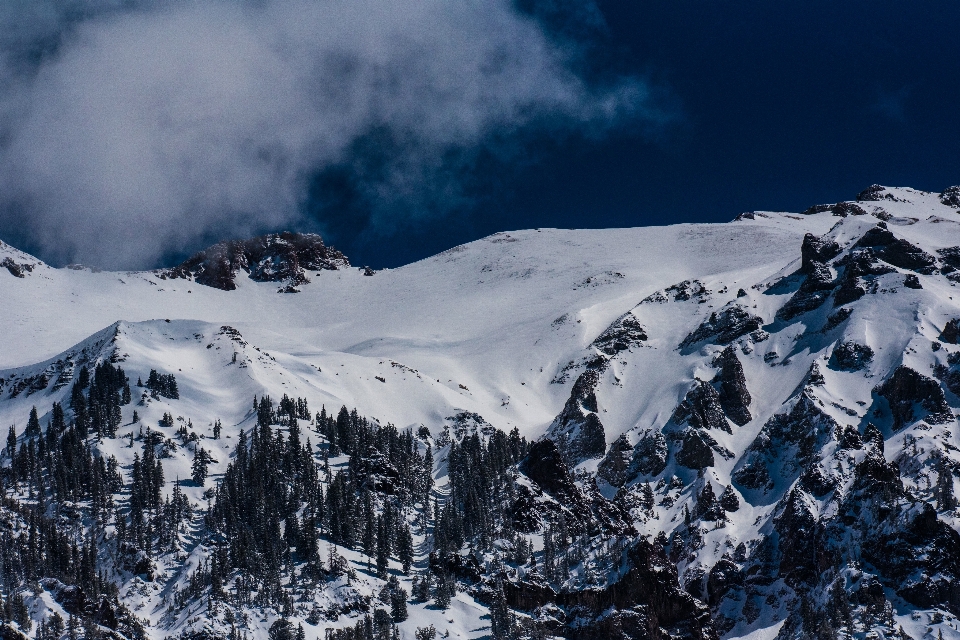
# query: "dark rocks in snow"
873,193
817,208
688,290
694,452
950,256
724,326
701,408
625,333
951,331
813,292
733,393
283,257
725,576
814,377
786,445
844,209
544,465
836,318
850,356
951,197
16,269
729,501
650,454
645,603
911,281
615,466
578,430
906,389
897,251
816,250
841,209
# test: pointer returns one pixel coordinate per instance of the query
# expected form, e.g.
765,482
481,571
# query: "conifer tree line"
273,517
98,409
162,384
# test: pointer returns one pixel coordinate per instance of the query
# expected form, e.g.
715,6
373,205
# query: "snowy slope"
596,339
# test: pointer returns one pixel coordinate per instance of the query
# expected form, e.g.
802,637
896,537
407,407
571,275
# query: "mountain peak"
276,257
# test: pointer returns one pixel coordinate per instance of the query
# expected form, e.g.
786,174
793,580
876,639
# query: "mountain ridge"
768,406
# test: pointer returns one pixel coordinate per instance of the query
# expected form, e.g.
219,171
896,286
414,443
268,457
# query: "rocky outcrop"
816,250
650,455
625,333
283,257
951,197
873,193
694,451
951,331
851,356
615,466
544,465
896,251
785,446
701,408
646,602
578,430
906,390
724,326
16,269
813,292
733,393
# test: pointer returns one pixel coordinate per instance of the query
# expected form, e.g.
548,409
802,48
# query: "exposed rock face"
694,452
625,333
816,250
615,466
645,603
650,454
897,251
851,356
949,375
544,465
813,292
283,257
16,269
906,389
701,408
578,430
786,444
724,326
734,396
951,197
844,209
873,193
951,331
817,208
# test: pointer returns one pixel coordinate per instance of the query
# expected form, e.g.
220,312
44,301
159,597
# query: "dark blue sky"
775,106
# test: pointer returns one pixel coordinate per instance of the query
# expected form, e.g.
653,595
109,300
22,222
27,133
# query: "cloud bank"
130,130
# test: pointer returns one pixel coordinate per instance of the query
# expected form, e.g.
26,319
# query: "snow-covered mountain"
737,430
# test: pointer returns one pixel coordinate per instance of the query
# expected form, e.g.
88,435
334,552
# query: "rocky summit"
742,430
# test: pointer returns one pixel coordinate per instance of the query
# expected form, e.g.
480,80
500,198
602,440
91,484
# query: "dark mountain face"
283,257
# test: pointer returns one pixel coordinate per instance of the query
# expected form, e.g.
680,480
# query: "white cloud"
143,128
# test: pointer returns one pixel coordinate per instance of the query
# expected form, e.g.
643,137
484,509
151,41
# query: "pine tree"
201,460
33,424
